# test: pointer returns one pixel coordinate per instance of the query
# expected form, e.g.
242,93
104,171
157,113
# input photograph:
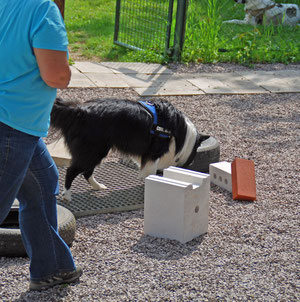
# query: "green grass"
210,40
90,25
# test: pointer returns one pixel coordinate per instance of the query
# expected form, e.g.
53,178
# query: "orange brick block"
243,179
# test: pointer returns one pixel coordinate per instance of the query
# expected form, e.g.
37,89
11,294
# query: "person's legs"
16,149
48,252
28,172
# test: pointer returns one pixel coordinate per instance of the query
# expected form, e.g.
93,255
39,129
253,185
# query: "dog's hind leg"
88,175
71,174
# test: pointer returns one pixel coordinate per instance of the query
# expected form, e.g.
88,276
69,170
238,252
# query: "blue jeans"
28,173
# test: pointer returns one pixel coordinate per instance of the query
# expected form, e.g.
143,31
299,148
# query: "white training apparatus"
177,204
220,175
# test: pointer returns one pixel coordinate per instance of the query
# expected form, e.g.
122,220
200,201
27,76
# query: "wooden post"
61,6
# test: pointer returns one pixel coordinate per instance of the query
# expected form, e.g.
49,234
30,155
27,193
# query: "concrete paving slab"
208,85
280,81
283,86
162,91
91,67
240,84
258,77
260,74
60,153
224,83
141,80
107,80
155,79
166,92
79,79
128,68
75,70
175,85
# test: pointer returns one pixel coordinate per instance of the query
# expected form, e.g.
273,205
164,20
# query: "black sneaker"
61,278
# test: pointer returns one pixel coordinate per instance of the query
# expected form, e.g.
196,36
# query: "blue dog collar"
160,131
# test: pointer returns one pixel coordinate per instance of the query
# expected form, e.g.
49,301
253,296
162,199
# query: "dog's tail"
64,114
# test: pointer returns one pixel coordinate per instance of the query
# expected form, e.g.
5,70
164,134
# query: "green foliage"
90,25
202,35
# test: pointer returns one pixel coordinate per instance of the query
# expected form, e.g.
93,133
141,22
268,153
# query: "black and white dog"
154,134
259,11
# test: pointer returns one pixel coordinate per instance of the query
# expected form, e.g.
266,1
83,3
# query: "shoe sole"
39,287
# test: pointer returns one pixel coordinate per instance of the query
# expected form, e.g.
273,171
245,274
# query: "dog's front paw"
67,195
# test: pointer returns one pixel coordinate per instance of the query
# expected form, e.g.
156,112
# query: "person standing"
34,63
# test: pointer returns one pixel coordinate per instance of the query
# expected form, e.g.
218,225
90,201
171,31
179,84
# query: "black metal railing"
149,24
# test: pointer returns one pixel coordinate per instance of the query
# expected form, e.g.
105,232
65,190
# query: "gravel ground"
251,250
228,67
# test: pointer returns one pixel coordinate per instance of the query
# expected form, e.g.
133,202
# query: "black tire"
207,153
11,244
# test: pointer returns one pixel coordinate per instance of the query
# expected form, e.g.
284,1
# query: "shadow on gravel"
165,249
57,294
227,197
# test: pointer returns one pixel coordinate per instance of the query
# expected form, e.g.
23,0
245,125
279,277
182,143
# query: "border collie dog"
154,134
268,11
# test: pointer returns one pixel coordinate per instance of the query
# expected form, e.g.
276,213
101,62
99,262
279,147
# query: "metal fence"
148,24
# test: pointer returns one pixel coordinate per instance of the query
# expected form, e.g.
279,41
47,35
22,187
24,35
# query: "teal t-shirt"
25,99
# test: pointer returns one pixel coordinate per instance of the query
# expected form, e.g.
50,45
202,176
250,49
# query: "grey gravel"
229,67
251,250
